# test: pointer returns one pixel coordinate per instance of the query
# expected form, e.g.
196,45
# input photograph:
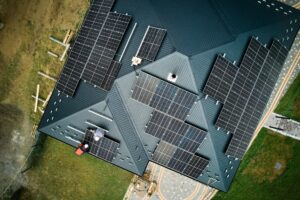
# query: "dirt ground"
23,52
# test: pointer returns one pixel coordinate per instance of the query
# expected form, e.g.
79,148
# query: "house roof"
197,31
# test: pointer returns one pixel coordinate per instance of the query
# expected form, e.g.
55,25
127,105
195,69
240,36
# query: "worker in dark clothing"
81,149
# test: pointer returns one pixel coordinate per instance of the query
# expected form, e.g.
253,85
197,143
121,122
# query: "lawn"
60,174
257,177
289,105
57,173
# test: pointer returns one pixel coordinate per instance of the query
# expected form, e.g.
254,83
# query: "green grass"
10,71
256,177
60,174
289,105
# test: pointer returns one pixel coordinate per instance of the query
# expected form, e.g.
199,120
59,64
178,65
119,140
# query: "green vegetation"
57,173
60,174
289,105
11,71
257,177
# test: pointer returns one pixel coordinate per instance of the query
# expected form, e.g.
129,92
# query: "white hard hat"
86,146
96,138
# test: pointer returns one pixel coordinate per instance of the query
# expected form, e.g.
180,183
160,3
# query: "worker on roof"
81,149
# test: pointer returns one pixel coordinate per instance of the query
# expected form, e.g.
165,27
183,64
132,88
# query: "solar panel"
250,93
163,153
258,100
111,75
151,43
145,88
102,5
105,148
175,131
192,139
179,160
196,165
163,96
108,41
242,87
158,124
82,47
182,104
220,79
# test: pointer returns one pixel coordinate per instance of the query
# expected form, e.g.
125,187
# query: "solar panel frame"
81,49
179,160
182,104
249,94
220,79
105,148
104,50
195,167
258,100
242,86
174,131
163,153
151,43
192,139
163,96
111,75
145,87
158,129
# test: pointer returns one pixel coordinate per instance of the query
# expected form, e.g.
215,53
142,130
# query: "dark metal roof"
196,32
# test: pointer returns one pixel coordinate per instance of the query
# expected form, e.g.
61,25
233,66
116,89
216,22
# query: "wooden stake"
52,54
40,99
57,41
64,53
47,76
37,97
41,110
47,99
68,36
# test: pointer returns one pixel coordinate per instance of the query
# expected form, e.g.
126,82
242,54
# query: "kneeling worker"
81,149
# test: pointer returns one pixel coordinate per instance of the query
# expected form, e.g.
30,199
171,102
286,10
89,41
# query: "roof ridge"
127,128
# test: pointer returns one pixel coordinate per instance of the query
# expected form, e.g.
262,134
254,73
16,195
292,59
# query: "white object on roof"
172,77
99,133
136,61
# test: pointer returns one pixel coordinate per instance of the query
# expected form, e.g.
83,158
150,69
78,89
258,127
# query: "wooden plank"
37,97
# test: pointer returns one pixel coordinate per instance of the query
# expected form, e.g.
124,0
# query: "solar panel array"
175,131
105,48
179,140
220,79
250,68
105,148
92,53
163,96
249,93
179,160
151,43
